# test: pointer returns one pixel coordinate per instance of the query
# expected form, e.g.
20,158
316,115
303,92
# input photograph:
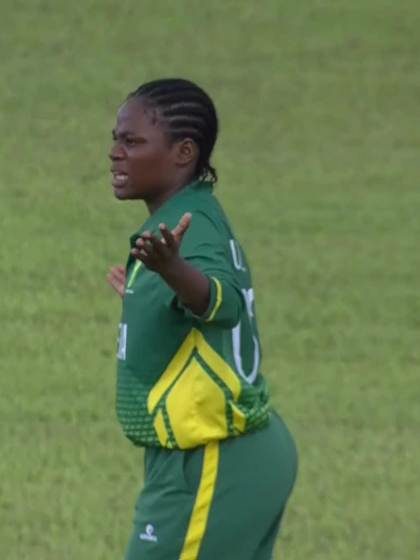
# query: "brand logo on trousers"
149,534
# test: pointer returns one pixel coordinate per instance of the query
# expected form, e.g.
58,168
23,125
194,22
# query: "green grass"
319,165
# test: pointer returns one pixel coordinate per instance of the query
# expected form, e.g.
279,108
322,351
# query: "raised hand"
160,254
116,278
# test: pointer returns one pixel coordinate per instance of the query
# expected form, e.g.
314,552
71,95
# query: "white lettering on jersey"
122,341
236,341
249,301
236,255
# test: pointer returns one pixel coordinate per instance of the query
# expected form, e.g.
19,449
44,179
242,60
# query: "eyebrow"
124,133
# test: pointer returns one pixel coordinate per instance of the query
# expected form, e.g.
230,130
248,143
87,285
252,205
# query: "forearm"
213,296
190,285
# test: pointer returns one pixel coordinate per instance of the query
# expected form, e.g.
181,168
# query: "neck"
154,203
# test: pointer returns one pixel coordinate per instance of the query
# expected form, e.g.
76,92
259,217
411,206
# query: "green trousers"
223,501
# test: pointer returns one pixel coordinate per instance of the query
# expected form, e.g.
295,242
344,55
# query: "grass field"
319,164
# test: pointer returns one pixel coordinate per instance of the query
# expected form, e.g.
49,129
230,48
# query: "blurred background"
319,169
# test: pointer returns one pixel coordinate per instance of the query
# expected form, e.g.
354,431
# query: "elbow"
228,308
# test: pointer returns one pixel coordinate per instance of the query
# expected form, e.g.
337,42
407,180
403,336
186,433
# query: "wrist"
173,269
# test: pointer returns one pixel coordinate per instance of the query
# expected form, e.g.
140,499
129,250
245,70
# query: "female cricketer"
220,464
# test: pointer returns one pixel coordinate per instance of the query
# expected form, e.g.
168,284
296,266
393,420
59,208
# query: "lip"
119,178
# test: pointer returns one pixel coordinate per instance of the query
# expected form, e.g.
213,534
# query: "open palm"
156,254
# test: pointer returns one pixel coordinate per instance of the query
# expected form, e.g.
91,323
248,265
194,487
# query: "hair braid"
186,111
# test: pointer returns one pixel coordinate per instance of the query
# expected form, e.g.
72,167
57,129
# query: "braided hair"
186,111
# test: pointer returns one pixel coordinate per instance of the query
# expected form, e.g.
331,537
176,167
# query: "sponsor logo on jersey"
149,534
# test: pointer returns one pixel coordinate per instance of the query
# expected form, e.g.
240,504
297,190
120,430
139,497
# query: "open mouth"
119,179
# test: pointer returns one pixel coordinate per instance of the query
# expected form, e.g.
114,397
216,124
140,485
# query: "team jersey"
184,380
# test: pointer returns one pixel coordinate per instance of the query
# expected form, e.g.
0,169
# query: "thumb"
183,225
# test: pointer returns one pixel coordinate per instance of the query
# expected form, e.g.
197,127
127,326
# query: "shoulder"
205,227
208,211
208,231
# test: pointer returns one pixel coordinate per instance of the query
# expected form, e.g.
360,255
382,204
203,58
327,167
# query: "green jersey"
185,380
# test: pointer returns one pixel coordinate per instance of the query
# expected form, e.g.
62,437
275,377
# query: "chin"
123,194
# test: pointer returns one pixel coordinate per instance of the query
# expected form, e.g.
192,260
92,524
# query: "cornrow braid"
186,112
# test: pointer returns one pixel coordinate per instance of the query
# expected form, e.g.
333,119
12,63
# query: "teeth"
119,179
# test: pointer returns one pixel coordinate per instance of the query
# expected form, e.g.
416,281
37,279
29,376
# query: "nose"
116,152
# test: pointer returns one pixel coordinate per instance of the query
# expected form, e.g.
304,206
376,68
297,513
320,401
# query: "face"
143,160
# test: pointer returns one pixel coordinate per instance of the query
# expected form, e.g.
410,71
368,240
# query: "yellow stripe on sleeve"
219,298
199,516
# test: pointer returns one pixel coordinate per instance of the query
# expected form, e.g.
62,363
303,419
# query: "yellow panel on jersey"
174,368
196,407
218,365
199,517
194,341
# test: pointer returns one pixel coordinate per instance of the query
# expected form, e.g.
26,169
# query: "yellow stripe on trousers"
199,516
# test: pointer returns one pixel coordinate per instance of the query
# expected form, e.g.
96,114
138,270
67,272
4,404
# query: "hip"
269,453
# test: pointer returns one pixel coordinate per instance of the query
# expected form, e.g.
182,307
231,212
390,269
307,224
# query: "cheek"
150,163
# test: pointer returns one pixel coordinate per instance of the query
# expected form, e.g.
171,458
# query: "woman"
219,463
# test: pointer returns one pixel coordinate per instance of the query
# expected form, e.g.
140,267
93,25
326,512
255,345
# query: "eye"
130,141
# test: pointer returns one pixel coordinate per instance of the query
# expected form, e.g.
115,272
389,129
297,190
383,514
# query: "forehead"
134,116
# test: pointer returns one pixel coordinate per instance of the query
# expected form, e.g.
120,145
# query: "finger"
154,246
183,225
118,287
146,259
140,254
144,238
168,238
116,284
160,248
143,244
117,272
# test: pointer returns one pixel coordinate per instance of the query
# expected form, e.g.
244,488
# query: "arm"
191,286
199,272
162,256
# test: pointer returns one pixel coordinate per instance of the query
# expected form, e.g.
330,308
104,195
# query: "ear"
186,152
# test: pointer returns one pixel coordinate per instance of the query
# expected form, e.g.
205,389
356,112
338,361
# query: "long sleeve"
206,248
